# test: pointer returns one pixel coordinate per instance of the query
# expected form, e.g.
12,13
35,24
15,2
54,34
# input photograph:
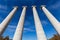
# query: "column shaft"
39,29
19,29
5,22
52,19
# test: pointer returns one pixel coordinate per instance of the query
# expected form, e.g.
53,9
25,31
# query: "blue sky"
29,27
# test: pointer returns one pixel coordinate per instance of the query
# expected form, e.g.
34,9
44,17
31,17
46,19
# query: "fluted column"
52,19
38,25
19,29
5,22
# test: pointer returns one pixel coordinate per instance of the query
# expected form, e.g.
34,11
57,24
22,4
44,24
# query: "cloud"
12,28
56,5
29,29
44,22
3,7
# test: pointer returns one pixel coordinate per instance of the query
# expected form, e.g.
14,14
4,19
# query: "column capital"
24,6
33,6
15,7
42,6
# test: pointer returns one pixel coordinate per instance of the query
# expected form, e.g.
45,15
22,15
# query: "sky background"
29,32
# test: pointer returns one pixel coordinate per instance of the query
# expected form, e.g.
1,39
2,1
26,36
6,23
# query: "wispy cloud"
29,29
4,7
12,28
56,5
44,22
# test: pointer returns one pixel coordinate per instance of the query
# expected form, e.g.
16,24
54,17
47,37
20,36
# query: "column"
38,25
5,22
19,29
52,19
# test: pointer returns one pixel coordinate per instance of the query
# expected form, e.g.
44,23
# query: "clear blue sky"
29,28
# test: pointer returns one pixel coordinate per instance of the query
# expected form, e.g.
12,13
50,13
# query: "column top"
33,6
15,7
24,6
42,6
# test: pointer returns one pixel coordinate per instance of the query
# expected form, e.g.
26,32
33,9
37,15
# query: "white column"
5,22
19,29
39,29
52,19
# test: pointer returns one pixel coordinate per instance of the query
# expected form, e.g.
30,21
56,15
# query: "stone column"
5,22
19,29
52,19
38,25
